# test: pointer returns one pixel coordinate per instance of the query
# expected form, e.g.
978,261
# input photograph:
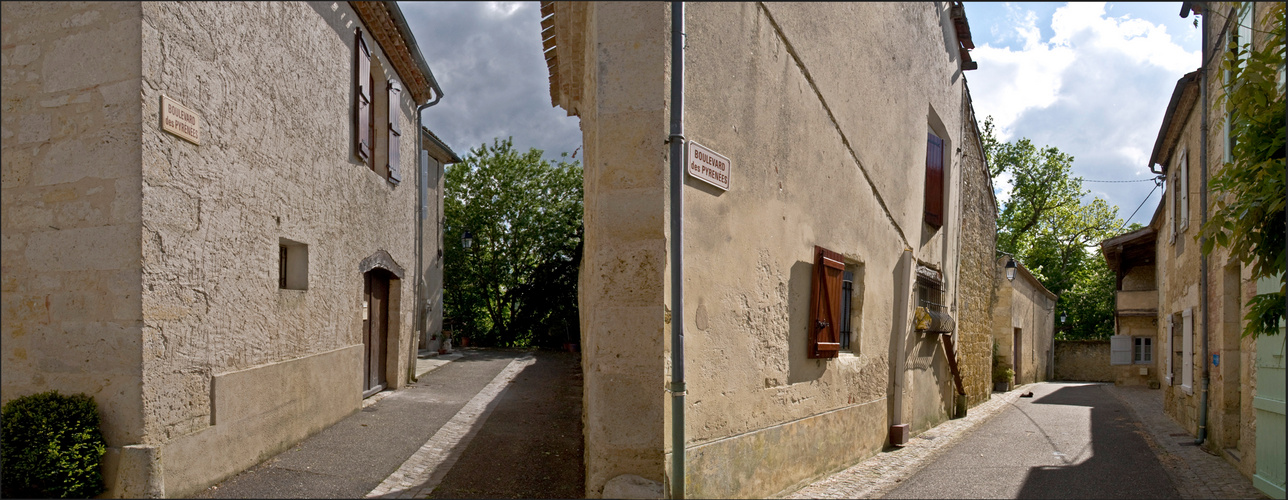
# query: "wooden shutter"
825,304
934,180
1187,345
395,132
1185,190
1120,350
363,99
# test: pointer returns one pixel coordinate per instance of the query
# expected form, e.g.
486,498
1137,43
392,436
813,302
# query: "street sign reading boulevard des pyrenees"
709,166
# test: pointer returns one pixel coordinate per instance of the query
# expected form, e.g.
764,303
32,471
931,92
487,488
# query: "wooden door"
375,331
1018,355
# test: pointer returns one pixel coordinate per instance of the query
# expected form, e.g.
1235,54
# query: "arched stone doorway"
381,294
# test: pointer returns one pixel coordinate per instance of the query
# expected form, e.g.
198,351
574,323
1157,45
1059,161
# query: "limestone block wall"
70,222
274,85
1083,361
624,267
978,274
1024,305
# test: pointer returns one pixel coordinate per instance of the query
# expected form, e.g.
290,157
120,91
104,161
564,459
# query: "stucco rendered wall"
71,213
816,159
274,85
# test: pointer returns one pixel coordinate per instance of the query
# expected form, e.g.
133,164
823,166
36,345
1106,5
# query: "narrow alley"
446,434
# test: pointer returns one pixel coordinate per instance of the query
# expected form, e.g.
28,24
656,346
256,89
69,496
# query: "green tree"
1248,213
516,286
1048,227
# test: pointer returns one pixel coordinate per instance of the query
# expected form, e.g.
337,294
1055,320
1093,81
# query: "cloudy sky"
1092,79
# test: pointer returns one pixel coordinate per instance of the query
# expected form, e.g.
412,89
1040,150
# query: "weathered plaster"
817,160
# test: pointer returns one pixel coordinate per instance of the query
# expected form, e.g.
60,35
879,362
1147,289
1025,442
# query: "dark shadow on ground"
1121,463
531,444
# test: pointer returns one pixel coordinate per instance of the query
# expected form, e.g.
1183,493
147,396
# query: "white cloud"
1095,86
504,9
1011,82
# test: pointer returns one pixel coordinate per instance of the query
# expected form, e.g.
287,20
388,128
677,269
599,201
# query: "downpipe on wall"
676,140
422,188
1203,216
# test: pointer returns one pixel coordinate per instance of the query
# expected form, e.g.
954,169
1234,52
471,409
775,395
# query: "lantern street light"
1063,316
1010,269
467,240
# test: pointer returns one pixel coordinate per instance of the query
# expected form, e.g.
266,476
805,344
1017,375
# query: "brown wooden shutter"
934,181
825,304
363,99
395,131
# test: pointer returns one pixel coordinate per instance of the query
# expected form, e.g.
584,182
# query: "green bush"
51,447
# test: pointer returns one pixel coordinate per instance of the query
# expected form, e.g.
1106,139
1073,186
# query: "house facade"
209,222
807,269
1135,355
1024,324
1225,389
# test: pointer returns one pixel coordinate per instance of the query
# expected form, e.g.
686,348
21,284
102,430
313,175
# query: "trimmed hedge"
52,446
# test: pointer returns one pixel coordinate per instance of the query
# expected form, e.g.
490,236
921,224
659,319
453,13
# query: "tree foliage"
517,285
1248,214
1048,227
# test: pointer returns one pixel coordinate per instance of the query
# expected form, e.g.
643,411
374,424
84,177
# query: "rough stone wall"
274,85
71,213
978,274
1083,361
1231,418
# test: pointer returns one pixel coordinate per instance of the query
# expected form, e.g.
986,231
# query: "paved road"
1069,440
531,445
350,458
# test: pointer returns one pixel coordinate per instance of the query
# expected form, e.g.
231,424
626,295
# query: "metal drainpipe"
1203,215
677,249
421,187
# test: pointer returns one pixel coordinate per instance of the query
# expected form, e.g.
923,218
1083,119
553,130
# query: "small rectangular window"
1142,350
847,297
292,265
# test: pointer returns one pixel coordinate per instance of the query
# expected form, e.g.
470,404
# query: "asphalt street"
1070,440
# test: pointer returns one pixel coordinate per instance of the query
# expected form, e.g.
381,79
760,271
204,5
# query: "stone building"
841,128
209,222
1133,358
1225,389
1024,323
435,156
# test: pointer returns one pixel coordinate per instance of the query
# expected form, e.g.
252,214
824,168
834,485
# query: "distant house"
855,184
1024,324
210,215
1135,355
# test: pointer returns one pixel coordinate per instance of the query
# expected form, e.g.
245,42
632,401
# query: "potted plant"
1003,375
445,346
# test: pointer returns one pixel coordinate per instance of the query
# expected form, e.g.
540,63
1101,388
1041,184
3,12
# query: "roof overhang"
385,21
1183,98
958,14
1131,246
438,149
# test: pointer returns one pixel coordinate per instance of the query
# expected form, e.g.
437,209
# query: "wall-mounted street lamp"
467,240
1063,316
1010,269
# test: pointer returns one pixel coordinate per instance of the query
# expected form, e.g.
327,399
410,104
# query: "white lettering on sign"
179,120
709,166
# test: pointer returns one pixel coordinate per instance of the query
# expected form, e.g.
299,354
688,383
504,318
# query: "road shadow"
1120,463
531,444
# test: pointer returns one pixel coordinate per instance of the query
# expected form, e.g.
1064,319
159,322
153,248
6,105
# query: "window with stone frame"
1142,351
